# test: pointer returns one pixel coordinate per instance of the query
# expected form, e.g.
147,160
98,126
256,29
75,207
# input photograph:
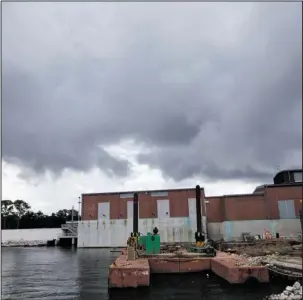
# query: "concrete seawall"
29,237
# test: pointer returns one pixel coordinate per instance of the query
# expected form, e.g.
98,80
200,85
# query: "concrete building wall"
178,204
215,209
253,206
228,216
215,230
244,207
232,230
43,234
219,209
114,233
276,193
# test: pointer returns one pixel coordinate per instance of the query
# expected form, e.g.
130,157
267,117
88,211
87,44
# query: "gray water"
56,273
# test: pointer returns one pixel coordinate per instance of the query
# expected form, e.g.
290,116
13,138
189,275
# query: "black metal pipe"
136,214
198,208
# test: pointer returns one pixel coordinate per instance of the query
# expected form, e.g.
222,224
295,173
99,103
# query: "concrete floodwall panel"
215,230
232,230
114,233
286,227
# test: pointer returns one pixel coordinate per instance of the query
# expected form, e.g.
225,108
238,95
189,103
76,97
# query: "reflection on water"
55,273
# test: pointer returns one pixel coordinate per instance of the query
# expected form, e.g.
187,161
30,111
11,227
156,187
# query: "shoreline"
23,246
22,243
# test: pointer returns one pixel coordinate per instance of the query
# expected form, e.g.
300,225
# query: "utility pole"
79,202
73,216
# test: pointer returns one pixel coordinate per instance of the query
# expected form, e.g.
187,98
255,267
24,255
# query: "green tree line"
18,215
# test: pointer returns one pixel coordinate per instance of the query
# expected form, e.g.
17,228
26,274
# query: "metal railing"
70,229
69,226
70,234
74,223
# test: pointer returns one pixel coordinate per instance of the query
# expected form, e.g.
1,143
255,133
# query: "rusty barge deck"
125,273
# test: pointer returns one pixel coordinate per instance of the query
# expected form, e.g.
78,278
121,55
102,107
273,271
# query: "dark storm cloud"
213,90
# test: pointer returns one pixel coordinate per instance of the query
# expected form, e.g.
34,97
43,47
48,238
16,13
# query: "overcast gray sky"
203,89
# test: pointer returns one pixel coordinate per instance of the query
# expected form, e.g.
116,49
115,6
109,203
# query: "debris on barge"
283,258
145,255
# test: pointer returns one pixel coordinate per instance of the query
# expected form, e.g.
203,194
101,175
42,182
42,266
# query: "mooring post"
132,242
199,236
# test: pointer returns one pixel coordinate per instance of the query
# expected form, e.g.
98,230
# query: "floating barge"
125,273
144,256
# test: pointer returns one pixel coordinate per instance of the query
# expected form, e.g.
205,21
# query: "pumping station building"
107,218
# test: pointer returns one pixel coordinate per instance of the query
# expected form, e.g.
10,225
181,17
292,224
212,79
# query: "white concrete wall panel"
130,209
114,233
130,214
192,223
163,209
103,211
287,227
215,230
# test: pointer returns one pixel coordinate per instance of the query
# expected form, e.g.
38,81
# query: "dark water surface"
56,273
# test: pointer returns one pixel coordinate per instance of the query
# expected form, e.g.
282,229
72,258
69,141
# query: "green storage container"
142,240
152,244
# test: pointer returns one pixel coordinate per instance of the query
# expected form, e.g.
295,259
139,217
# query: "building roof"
291,184
241,195
290,170
141,191
264,186
259,190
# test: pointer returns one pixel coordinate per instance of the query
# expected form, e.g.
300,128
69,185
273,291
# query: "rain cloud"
210,89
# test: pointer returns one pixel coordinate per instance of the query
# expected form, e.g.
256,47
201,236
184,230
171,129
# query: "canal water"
56,273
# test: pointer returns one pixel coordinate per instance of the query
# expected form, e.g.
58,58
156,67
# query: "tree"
6,209
18,214
66,214
22,208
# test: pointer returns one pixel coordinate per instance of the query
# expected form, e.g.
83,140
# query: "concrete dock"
135,273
